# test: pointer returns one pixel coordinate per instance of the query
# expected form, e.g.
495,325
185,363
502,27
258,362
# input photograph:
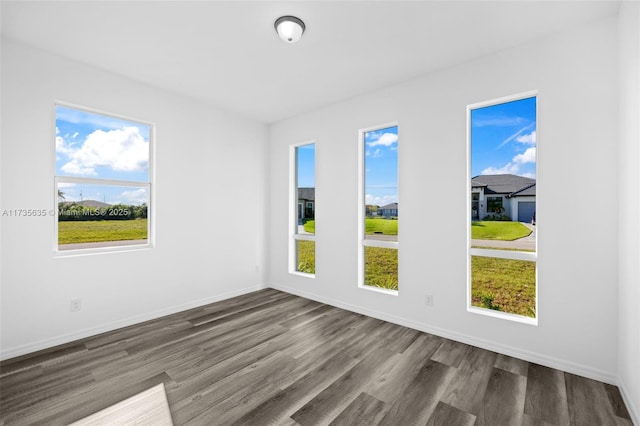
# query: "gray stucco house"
388,210
509,195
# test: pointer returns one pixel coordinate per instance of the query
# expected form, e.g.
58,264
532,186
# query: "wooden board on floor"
146,408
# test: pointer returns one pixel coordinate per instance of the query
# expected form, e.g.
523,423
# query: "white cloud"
529,139
509,168
136,196
500,121
375,154
513,167
121,150
516,135
74,168
386,139
529,156
380,201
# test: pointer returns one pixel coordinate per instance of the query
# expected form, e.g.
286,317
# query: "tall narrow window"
502,208
302,246
378,223
102,181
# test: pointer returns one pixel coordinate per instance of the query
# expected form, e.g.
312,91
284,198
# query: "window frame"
294,204
362,212
497,253
148,185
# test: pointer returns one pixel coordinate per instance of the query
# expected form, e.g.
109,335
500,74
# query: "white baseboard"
88,332
559,364
633,407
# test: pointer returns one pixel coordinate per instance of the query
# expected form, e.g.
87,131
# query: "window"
502,226
102,181
494,205
302,245
378,209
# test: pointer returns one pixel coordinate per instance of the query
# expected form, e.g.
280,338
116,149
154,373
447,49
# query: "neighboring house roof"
87,203
476,184
507,184
392,206
308,194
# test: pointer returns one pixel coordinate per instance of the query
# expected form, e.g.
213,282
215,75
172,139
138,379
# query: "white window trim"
293,210
71,179
362,210
502,254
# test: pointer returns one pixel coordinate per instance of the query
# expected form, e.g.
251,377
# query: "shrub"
496,217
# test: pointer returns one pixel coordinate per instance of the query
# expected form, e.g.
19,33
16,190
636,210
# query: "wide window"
502,208
378,211
302,218
102,181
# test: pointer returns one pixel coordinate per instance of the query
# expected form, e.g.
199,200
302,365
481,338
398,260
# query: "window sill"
379,290
303,274
503,315
87,251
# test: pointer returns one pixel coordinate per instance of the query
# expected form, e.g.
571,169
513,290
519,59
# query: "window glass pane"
503,162
97,146
94,216
503,205
306,256
505,285
381,267
306,188
381,184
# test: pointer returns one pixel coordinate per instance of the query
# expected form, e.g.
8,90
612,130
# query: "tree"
61,196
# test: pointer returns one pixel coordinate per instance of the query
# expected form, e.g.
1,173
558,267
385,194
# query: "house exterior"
371,210
306,203
388,210
503,195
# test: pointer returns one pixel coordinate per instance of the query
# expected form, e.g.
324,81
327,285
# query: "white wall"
629,193
209,246
575,74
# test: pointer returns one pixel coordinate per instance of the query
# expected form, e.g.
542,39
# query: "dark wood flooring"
270,358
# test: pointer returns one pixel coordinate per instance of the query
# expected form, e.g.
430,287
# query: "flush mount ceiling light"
289,28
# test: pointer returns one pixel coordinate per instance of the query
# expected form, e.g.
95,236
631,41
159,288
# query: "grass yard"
103,230
381,267
498,230
503,284
310,226
372,226
306,256
381,226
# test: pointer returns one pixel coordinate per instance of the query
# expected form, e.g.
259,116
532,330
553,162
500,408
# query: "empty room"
313,213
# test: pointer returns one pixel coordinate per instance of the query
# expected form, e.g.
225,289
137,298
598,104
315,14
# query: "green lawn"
498,230
381,267
383,226
310,226
102,230
306,256
504,284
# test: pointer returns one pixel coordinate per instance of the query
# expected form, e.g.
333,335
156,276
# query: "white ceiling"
228,54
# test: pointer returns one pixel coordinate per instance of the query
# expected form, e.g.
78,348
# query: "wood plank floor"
270,358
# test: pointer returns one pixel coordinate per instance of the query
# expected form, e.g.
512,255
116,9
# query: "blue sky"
97,146
306,166
381,166
503,139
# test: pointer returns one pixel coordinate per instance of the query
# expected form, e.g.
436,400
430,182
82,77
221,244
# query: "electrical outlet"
428,299
76,305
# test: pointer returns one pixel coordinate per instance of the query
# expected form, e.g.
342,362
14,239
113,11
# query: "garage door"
526,209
